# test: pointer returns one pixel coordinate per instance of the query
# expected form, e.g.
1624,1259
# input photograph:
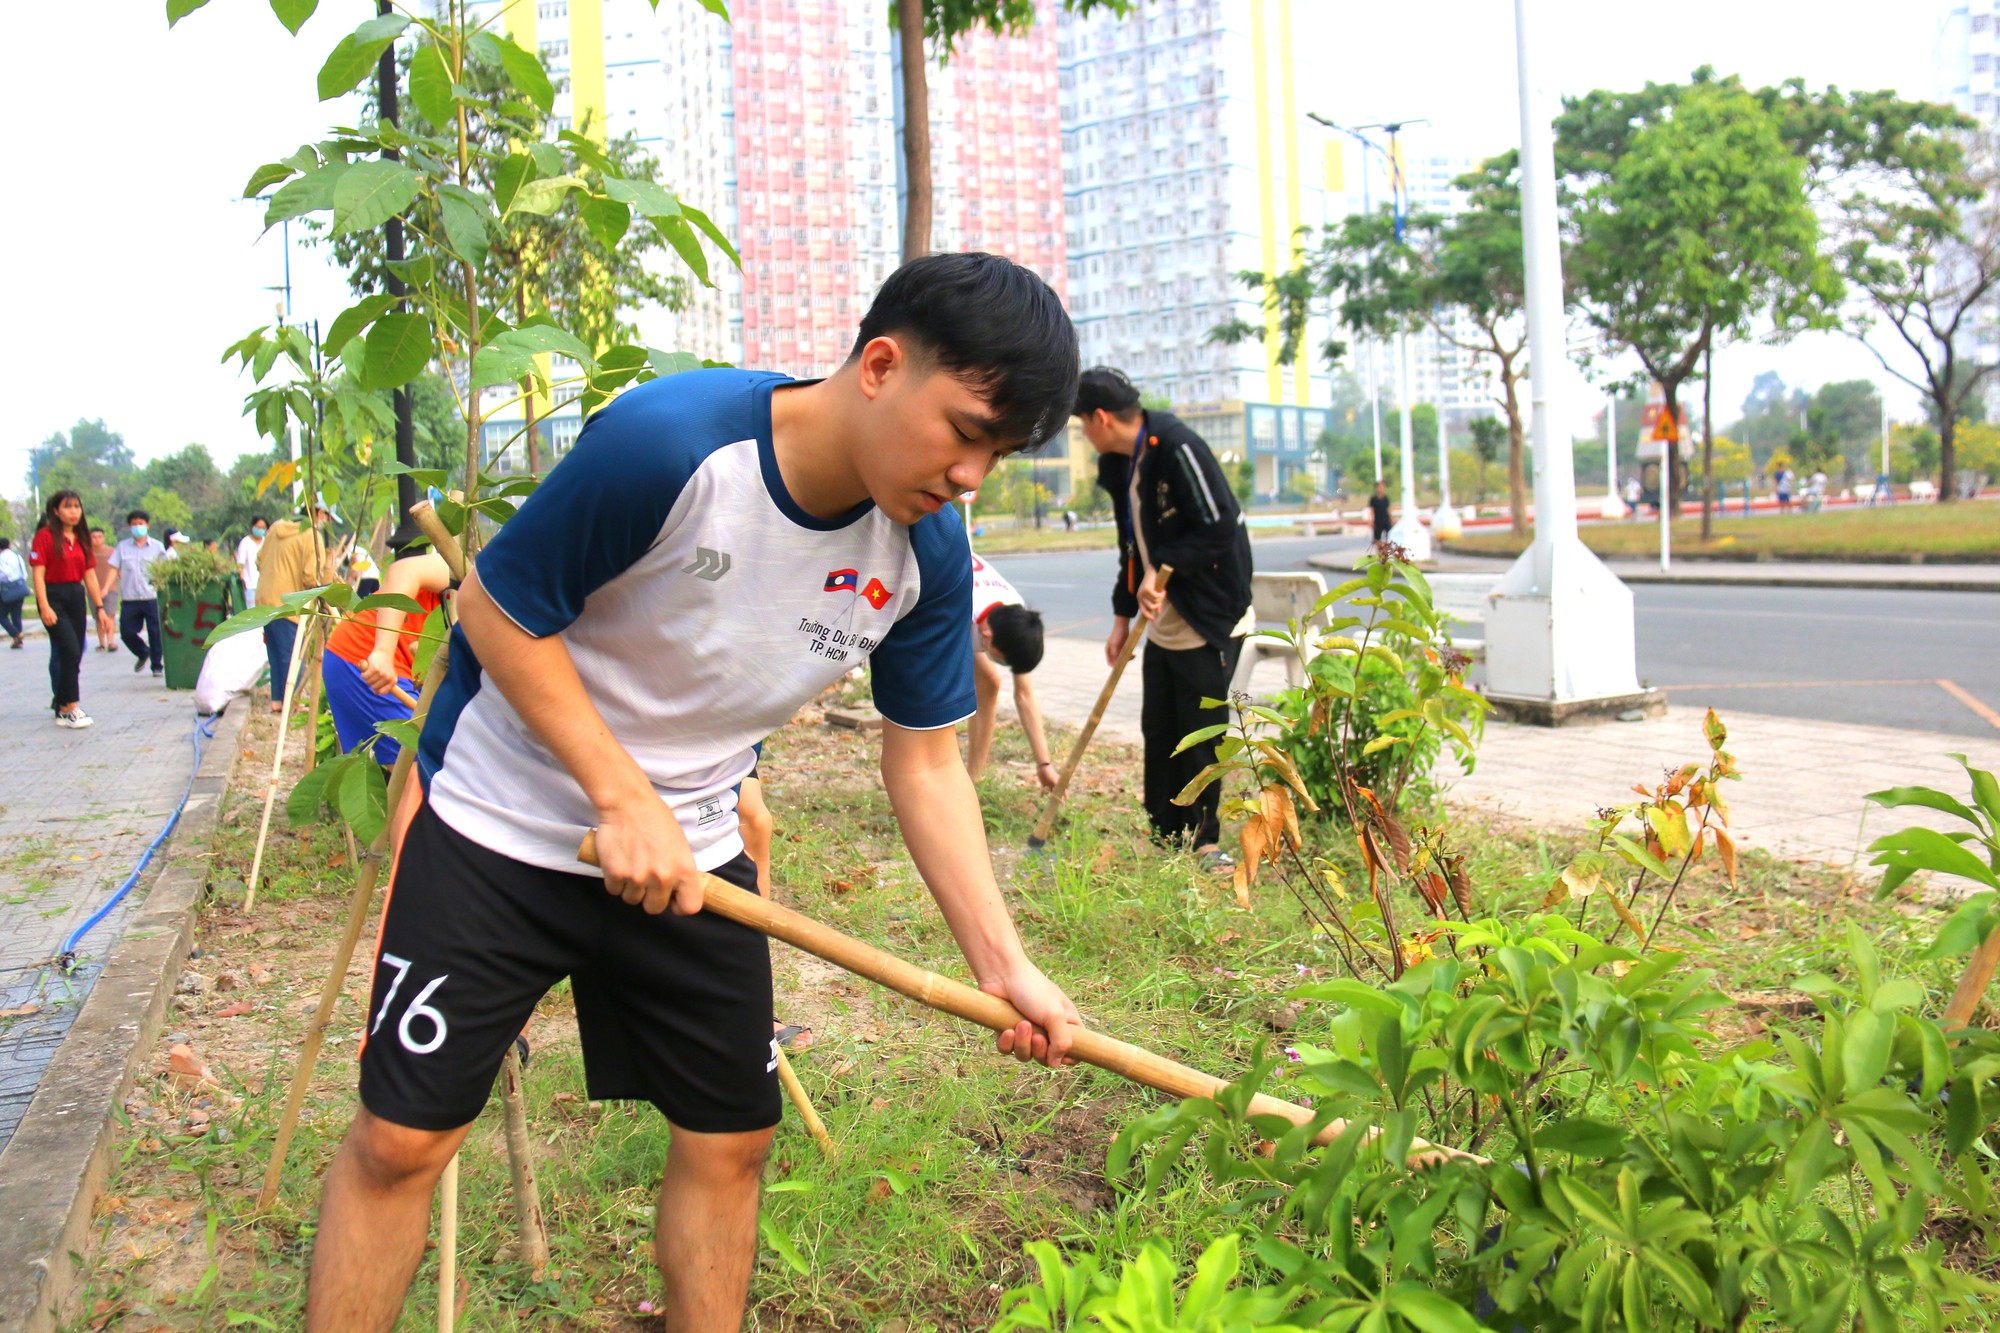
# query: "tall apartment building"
1186,159
1967,59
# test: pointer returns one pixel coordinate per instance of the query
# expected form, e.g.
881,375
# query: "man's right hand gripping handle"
646,858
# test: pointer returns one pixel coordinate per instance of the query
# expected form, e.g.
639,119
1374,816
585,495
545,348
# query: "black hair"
54,524
993,324
1104,388
97,528
138,513
6,543
1017,637
255,519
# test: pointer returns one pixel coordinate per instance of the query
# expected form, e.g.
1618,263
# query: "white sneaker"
76,721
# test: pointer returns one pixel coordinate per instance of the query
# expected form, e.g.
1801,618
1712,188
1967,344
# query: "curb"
55,1164
1794,578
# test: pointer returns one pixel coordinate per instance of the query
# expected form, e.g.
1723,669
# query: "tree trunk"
533,440
1947,452
1517,475
1708,442
403,403
916,130
1670,451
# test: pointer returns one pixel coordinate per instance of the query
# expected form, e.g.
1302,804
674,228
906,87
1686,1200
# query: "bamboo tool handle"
1046,825
989,1011
424,514
402,696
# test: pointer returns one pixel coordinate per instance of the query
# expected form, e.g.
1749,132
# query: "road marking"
1808,615
1794,684
1956,691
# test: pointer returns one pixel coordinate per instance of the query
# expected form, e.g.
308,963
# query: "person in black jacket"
1174,508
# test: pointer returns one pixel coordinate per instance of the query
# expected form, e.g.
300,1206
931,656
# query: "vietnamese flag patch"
876,594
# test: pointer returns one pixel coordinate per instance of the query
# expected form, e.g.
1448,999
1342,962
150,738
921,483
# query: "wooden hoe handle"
989,1011
1046,825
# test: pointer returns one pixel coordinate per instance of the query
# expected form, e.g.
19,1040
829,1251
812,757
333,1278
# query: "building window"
553,9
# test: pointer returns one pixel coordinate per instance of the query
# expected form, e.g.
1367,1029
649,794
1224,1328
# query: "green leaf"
355,54
1927,849
1639,856
430,86
267,175
713,232
180,9
647,197
404,732
394,601
1582,1137
302,806
294,13
1930,798
542,197
776,1237
671,363
1194,738
1429,1311
501,365
718,7
1965,928
464,228
255,617
368,194
607,219
516,170
398,349
677,233
364,800
309,193
525,72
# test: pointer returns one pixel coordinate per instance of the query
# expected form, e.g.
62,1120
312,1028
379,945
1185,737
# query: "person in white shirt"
1005,633
246,556
13,590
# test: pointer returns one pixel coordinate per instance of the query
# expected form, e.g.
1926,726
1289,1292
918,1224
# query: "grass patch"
950,1158
1966,531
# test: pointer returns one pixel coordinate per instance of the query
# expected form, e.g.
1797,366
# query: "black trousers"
134,616
67,638
1176,681
10,616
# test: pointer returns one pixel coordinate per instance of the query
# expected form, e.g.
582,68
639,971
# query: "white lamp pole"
1445,522
1408,531
1374,386
1560,644
1613,506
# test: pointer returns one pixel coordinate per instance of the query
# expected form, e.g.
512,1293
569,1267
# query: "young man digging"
717,548
1005,634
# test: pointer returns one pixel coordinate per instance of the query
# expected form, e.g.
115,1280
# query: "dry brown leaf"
1256,838
20,1011
1242,887
1461,886
188,1069
1725,847
236,1010
1625,914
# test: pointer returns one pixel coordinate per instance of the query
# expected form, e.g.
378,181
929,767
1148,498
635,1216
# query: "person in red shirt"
65,574
373,652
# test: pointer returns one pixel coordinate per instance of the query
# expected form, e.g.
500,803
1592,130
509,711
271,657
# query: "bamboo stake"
1046,825
990,1011
424,514
1973,983
527,1195
277,763
448,1247
809,1117
336,980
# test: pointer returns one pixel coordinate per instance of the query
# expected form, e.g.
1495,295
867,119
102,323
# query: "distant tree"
1732,460
91,460
190,475
166,509
1919,244
1692,224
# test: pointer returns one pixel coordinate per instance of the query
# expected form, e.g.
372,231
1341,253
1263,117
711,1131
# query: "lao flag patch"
843,580
876,593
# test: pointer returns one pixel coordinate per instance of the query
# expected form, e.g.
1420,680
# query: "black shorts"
674,1010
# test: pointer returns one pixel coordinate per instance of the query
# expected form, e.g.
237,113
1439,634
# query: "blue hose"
204,729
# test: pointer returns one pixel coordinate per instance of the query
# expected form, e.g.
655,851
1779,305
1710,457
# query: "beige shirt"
1168,629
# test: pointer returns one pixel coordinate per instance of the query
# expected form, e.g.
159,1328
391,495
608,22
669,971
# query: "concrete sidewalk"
76,810
1746,573
1802,793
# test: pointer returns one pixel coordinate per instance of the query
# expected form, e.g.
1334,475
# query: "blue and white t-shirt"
702,607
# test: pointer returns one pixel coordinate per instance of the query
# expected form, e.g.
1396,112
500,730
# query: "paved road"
76,810
1847,655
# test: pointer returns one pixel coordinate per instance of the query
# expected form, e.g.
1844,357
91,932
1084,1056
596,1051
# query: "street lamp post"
1560,644
1444,522
1613,506
1367,208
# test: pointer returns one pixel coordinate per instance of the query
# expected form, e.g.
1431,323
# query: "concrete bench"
1465,597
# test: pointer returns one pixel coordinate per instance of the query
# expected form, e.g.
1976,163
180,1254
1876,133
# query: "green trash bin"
186,617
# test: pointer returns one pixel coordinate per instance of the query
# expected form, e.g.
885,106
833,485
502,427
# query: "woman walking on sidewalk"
65,573
13,590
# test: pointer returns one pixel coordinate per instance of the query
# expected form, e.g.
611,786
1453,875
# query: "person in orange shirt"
374,651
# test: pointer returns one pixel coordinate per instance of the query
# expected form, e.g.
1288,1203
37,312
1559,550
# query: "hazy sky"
137,264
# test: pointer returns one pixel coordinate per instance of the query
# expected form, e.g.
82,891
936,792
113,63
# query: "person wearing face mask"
246,557
293,557
139,606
